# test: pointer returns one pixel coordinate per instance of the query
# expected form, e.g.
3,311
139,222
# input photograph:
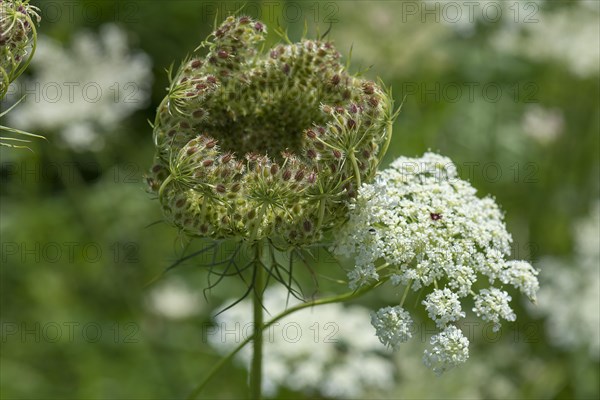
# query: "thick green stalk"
259,283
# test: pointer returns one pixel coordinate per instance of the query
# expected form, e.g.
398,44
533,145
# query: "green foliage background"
54,197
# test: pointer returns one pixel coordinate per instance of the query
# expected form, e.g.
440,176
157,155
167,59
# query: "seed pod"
292,113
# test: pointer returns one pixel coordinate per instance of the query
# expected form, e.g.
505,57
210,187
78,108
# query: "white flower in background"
174,299
366,22
420,225
574,323
463,16
84,91
81,136
564,32
543,124
493,372
329,350
569,35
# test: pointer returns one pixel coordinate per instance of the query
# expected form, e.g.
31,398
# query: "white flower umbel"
85,91
450,348
521,275
362,275
443,306
492,304
422,227
419,216
392,325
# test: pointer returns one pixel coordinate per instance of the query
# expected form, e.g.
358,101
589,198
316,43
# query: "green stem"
321,212
194,394
259,283
164,185
389,127
386,144
328,300
356,169
259,221
406,290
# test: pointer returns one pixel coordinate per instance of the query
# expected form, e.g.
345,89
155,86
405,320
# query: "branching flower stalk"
265,146
278,149
18,41
351,295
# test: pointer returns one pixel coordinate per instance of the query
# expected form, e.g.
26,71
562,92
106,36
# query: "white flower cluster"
420,225
492,304
443,306
368,21
450,348
522,276
393,325
328,350
542,124
174,299
567,34
85,91
463,17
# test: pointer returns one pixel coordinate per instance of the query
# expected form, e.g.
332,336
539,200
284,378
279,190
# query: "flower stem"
259,283
164,185
327,300
356,169
405,292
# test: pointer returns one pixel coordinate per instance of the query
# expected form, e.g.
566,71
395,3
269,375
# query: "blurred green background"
509,90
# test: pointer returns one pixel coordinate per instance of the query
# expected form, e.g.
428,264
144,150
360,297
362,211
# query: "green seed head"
17,39
257,144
